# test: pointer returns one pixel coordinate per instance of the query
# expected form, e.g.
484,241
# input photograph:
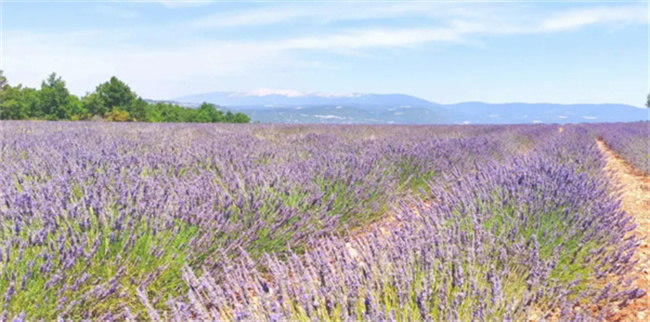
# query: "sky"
446,52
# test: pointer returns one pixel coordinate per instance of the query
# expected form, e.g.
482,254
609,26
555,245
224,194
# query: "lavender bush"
174,221
630,140
531,238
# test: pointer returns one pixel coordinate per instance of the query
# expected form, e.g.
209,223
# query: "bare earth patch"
635,194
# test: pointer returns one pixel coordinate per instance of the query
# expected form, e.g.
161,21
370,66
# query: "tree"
18,103
152,113
229,117
94,104
207,113
3,82
3,85
241,118
138,110
116,94
12,106
112,100
55,100
163,112
648,101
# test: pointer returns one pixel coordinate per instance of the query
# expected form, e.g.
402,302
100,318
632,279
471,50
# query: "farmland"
332,222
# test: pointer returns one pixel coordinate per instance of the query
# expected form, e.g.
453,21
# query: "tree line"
111,101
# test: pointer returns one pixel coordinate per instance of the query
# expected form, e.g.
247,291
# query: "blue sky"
517,51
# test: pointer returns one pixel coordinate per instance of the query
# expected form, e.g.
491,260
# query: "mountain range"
267,106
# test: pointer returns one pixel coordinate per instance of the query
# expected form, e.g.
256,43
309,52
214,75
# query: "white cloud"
323,13
460,30
183,62
492,18
88,58
591,16
446,24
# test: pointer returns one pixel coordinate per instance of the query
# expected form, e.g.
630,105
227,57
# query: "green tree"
138,110
152,114
241,118
112,100
169,112
647,103
208,113
116,94
94,104
12,105
55,100
3,83
229,117
18,103
31,100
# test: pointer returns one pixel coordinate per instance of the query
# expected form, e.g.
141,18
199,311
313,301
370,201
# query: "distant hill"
295,107
347,115
483,113
296,99
183,104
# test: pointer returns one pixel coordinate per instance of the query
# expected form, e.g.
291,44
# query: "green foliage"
647,103
3,82
12,106
111,101
18,103
113,95
138,109
116,94
94,104
52,101
206,113
56,101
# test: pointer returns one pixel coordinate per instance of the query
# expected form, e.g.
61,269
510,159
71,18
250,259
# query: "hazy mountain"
297,107
483,113
347,115
261,99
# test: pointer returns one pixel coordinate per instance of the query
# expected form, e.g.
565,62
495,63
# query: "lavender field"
630,140
109,221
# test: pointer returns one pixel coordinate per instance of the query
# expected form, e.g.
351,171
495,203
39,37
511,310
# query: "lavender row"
536,237
97,217
630,140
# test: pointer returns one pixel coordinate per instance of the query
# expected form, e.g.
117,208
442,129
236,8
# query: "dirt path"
635,194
